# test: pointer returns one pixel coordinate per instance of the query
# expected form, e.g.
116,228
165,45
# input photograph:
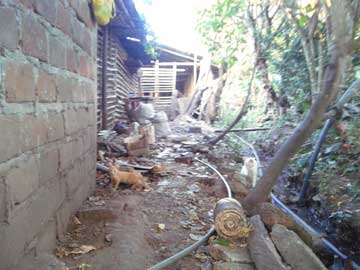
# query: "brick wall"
47,121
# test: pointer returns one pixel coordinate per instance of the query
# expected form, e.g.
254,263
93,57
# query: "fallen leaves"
66,251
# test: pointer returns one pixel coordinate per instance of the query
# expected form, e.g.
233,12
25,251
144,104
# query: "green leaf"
222,242
303,20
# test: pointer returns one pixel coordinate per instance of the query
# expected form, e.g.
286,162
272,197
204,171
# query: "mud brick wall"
47,121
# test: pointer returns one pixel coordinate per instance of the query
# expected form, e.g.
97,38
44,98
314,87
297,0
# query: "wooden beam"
176,53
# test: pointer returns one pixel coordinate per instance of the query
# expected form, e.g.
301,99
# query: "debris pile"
161,200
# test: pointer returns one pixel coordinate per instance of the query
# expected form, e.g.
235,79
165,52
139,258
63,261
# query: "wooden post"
156,86
104,79
230,220
174,78
195,71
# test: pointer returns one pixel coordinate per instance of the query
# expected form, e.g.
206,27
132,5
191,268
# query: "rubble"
294,251
262,249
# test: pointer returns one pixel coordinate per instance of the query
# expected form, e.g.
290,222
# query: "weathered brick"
84,13
35,40
74,177
57,53
90,92
69,152
19,90
55,126
34,131
83,65
9,33
92,69
46,241
12,244
22,180
63,19
47,9
77,31
2,201
78,92
48,165
10,137
28,3
72,121
86,41
46,87
72,60
64,86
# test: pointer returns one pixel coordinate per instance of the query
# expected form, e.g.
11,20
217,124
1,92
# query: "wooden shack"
172,75
120,54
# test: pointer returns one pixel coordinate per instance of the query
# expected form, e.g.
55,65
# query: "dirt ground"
134,230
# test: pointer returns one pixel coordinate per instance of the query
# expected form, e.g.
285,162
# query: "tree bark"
343,22
302,132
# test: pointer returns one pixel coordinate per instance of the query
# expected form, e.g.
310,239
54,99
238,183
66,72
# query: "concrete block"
74,177
2,201
12,242
10,137
64,87
55,126
63,19
46,87
47,9
34,131
22,180
57,52
34,38
9,32
48,165
72,60
69,152
19,90
46,241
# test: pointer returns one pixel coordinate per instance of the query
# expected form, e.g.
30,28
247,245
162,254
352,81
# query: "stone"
294,251
232,266
46,87
262,249
9,33
19,90
236,255
35,40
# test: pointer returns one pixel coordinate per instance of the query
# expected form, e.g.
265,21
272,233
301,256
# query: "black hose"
313,159
299,220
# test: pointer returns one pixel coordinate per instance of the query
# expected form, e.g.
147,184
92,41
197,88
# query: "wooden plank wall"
115,81
159,83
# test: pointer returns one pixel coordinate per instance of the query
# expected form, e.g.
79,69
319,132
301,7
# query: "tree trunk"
262,67
302,132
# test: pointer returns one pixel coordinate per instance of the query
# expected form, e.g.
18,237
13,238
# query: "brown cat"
131,177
